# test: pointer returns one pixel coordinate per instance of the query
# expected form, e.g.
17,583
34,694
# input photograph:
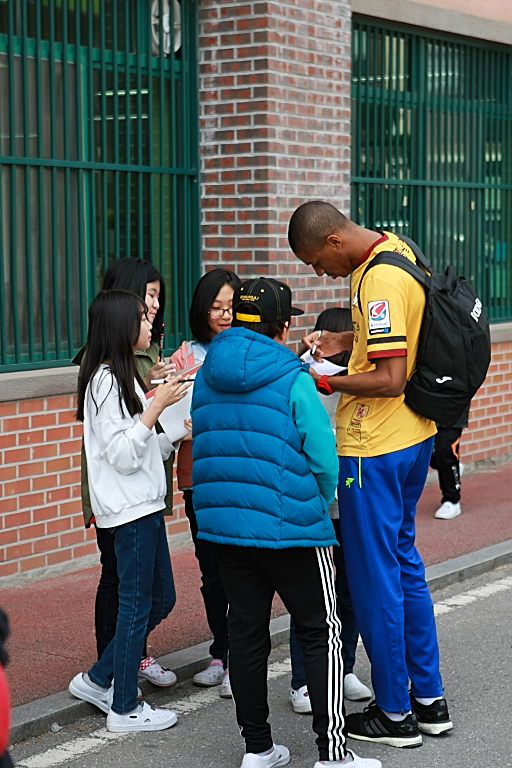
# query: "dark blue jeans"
349,630
146,597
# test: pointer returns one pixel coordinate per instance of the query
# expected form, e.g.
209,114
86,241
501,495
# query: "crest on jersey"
378,317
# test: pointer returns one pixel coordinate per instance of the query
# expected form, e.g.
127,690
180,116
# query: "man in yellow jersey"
384,450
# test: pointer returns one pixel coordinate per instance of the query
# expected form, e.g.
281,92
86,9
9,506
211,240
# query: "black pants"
214,597
107,595
445,459
304,580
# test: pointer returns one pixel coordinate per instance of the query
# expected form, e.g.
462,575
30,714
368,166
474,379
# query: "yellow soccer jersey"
392,303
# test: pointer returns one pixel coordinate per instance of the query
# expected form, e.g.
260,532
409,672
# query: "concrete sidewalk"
52,621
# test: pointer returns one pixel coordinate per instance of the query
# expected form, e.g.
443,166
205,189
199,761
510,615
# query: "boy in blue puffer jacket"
265,470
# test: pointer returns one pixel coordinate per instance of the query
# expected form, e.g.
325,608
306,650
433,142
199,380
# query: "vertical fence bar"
163,134
67,176
128,127
185,131
116,124
29,303
103,138
151,176
175,256
3,324
138,76
54,195
13,221
91,150
82,257
40,187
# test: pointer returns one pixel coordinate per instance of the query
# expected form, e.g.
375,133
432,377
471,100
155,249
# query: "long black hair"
131,274
204,295
114,327
336,320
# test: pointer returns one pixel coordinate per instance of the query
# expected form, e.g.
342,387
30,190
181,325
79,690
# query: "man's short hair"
312,223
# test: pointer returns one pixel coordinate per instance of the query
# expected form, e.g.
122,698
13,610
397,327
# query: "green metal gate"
98,159
432,149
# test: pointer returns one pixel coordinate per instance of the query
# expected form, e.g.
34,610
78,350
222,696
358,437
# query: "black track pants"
445,458
304,580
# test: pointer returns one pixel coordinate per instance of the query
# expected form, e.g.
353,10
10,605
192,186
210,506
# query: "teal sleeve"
314,427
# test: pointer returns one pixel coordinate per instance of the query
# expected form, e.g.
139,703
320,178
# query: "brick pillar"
275,132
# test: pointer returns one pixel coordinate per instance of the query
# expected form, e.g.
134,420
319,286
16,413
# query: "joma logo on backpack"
477,310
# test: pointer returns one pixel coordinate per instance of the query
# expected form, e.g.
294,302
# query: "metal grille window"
432,150
98,159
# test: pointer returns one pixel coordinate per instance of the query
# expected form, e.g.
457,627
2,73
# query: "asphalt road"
475,633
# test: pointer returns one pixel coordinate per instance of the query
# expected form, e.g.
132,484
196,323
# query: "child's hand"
171,392
188,425
159,371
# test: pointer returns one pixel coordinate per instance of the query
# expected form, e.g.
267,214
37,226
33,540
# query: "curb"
36,717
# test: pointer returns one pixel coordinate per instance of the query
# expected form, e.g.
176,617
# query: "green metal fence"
432,149
98,159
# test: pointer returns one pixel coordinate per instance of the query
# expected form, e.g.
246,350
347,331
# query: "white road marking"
100,738
472,595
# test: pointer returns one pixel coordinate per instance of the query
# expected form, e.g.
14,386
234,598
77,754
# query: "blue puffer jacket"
252,483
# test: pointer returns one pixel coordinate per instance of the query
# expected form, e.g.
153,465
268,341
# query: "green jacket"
145,361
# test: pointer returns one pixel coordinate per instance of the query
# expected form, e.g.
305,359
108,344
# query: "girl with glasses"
210,314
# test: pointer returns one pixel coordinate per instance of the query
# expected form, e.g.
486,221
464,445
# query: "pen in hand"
313,348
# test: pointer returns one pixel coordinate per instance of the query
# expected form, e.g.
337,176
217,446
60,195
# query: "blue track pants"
394,611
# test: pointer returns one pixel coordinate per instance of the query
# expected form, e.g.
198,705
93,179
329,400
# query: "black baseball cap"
263,301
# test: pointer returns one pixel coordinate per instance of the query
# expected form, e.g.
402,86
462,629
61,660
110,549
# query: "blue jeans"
146,597
392,602
349,629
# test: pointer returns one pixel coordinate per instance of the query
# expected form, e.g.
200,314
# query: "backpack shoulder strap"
420,256
395,260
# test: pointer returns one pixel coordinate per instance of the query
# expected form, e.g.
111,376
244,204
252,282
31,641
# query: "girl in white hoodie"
127,487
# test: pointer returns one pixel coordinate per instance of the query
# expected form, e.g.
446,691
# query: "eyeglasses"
216,313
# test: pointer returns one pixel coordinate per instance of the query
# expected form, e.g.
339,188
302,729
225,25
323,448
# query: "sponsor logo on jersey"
378,317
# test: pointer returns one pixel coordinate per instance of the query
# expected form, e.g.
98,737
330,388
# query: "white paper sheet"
325,368
172,419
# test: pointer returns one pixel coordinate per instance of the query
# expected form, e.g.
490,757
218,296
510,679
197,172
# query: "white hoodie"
124,458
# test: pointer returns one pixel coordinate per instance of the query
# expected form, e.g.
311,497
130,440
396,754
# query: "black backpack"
454,349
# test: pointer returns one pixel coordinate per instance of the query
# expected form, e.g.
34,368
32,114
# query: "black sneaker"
433,719
374,725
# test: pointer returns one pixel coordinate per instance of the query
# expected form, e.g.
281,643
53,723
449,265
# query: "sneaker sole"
449,517
303,710
225,695
142,727
205,685
435,729
160,685
363,697
104,707
391,741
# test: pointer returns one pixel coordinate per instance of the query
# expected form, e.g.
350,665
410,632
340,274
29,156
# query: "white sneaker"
448,511
357,762
225,688
155,673
144,718
300,700
279,756
354,689
80,688
212,675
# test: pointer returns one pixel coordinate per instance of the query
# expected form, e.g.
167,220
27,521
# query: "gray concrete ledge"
29,720
25,385
501,332
435,18
467,566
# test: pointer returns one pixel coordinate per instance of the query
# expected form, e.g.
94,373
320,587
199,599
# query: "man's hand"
328,343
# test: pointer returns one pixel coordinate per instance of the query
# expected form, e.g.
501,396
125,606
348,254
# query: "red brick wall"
275,132
41,521
489,433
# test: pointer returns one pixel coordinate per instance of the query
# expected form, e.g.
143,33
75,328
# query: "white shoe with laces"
143,718
356,762
155,673
212,675
279,756
300,700
354,689
448,511
225,688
